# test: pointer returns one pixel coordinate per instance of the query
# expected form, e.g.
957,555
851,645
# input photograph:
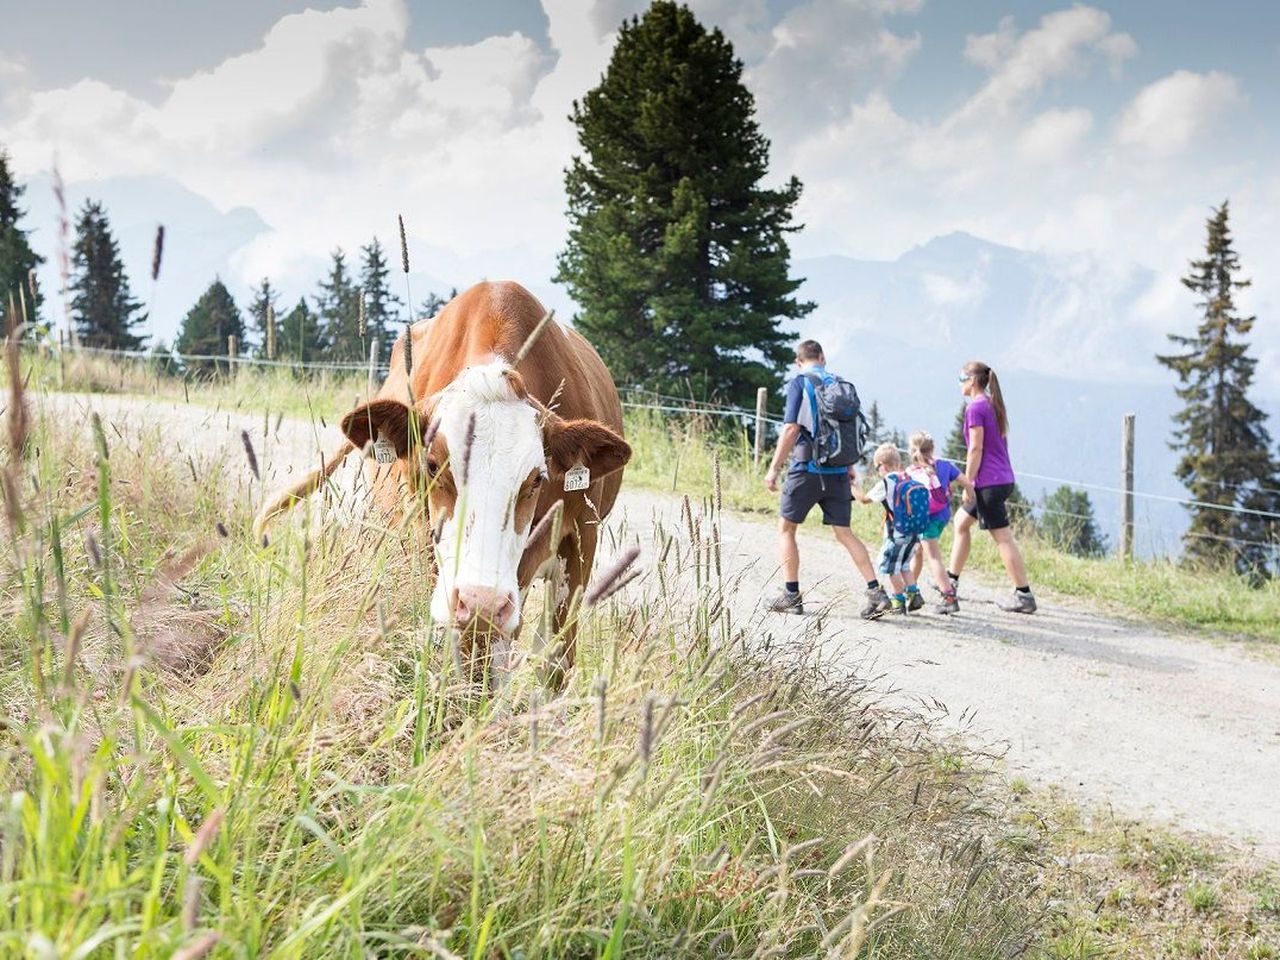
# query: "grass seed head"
204,836
404,245
250,454
157,253
607,582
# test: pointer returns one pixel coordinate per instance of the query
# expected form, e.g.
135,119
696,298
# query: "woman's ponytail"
990,383
997,401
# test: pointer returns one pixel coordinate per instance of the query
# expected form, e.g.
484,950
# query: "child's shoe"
899,604
914,600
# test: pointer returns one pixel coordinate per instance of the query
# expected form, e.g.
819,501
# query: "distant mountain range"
1066,334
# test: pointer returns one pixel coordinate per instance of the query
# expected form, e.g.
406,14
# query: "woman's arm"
973,462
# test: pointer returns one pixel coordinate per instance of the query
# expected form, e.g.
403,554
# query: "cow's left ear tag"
577,478
384,451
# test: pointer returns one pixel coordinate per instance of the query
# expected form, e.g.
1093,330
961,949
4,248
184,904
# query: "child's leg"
909,568
917,564
899,583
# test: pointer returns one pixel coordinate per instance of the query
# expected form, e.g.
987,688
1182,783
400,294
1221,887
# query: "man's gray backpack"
840,429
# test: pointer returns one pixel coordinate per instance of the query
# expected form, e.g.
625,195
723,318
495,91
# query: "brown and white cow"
501,439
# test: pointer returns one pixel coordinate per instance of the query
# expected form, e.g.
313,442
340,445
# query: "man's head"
809,352
887,459
484,451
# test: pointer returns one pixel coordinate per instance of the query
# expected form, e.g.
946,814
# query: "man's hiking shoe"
877,604
949,604
915,601
785,602
1022,603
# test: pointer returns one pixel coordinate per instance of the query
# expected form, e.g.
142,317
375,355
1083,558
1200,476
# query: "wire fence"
639,398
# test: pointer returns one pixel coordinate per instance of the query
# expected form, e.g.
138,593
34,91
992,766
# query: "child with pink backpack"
937,476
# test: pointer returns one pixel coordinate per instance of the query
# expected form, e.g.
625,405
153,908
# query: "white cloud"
1054,135
1168,115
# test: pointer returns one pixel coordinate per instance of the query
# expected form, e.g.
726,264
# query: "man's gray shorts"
802,491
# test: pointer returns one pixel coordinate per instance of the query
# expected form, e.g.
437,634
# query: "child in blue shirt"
898,548
937,476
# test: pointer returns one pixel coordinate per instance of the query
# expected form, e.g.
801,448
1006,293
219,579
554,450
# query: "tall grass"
211,747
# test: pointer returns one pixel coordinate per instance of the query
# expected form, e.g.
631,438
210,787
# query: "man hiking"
819,473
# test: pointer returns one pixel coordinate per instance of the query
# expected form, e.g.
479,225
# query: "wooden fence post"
373,365
1126,479
762,399
62,359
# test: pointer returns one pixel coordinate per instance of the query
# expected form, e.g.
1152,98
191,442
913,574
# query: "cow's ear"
388,419
588,442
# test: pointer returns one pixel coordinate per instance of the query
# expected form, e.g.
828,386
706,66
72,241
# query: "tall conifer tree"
338,307
677,255
1222,435
207,325
380,304
265,298
103,311
17,259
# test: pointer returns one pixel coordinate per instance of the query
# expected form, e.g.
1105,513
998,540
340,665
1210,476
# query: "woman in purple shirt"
987,466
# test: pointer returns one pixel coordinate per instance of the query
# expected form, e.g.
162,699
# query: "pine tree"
298,334
207,325
1067,521
380,304
877,432
265,298
676,254
955,450
17,260
434,303
1226,449
103,311
338,307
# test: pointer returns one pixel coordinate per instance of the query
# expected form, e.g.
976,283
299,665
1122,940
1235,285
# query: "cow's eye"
433,468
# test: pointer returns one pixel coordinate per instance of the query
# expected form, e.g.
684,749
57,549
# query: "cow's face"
489,457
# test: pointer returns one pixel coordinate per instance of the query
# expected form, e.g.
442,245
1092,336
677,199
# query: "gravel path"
1154,722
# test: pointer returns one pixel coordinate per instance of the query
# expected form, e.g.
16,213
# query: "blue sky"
1094,135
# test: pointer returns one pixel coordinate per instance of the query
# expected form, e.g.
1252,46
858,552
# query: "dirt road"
1154,722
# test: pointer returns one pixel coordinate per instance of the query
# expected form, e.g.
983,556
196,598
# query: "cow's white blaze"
479,546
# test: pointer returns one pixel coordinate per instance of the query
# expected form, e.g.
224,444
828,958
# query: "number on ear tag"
577,478
384,451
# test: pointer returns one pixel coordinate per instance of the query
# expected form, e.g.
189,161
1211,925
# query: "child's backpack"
840,429
910,506
939,492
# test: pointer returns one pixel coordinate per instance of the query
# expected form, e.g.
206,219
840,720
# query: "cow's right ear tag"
384,451
577,478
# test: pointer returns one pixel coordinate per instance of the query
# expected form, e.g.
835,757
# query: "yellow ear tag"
577,478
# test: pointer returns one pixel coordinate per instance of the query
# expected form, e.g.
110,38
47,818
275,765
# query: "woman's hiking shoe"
786,602
877,604
1022,603
915,601
949,604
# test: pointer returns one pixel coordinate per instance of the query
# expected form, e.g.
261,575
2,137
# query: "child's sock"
793,586
900,597
913,588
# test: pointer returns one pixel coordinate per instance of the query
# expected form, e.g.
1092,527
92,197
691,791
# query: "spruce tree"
338,307
17,260
207,325
265,298
298,334
877,432
1222,435
103,311
955,450
434,303
677,255
1067,521
380,304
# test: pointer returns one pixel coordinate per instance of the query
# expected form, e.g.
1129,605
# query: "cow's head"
492,456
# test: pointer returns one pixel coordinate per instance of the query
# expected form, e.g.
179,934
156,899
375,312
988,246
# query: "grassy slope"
270,748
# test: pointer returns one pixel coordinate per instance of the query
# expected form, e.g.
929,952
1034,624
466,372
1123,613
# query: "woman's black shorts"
990,507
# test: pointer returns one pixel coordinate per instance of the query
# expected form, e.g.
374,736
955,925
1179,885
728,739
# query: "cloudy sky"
1098,134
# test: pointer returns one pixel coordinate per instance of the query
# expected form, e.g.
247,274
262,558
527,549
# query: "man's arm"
786,443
